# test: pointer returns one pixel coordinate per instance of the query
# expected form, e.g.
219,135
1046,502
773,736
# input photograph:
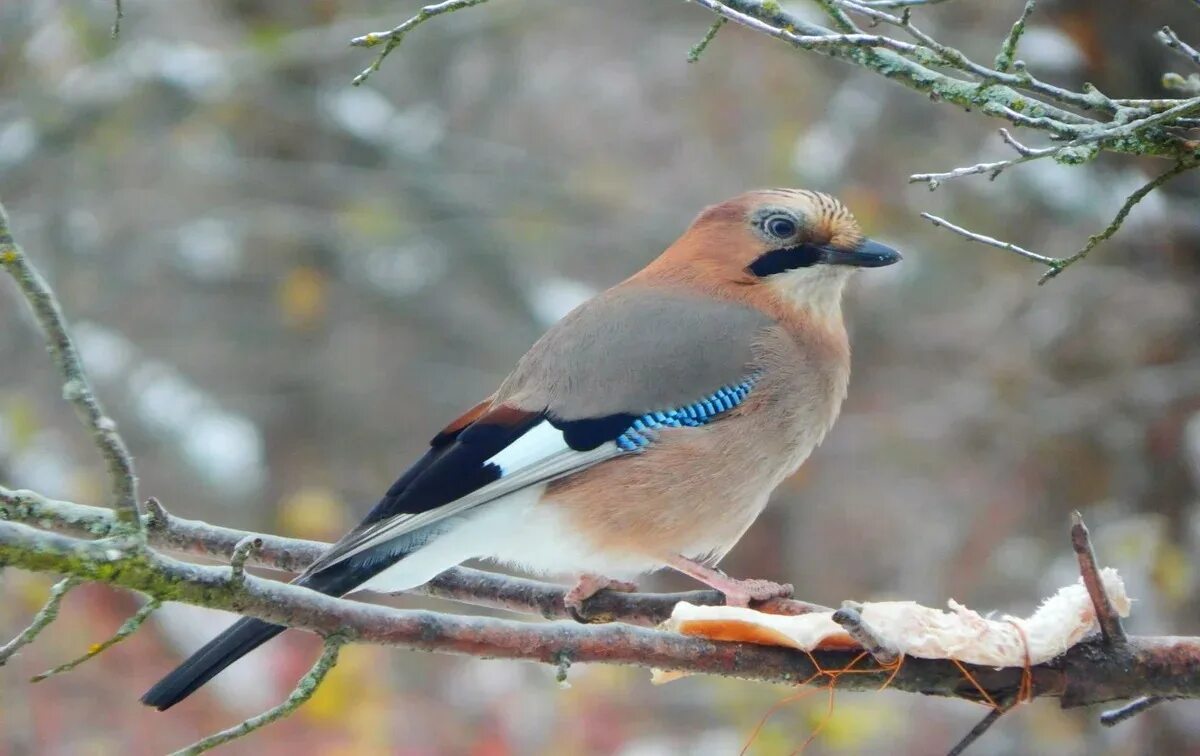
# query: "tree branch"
76,389
1088,673
1008,50
127,628
300,694
977,237
1168,37
461,584
391,39
47,614
977,731
1005,89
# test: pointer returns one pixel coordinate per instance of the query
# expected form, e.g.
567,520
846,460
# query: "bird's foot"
737,592
587,586
742,592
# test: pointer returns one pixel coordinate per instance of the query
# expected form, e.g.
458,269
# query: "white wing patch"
539,443
538,456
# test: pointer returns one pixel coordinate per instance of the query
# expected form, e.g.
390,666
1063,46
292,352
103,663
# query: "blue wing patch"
688,416
629,431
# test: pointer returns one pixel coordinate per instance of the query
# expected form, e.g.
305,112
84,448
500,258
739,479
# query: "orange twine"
832,676
1024,689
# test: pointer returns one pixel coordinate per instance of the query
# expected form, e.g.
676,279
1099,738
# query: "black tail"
247,634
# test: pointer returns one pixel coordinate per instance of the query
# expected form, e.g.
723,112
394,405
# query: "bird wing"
599,384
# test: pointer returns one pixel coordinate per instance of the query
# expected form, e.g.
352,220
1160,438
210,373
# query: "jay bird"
646,429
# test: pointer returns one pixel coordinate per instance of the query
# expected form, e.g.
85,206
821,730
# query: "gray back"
635,349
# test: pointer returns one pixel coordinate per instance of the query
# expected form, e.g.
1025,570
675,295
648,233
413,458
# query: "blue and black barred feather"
689,416
629,431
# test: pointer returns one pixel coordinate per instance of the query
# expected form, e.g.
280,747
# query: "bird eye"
780,226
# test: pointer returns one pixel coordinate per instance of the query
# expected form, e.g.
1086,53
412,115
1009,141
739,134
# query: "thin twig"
76,388
840,20
303,691
1012,141
699,48
822,40
903,3
157,517
851,619
1008,50
47,614
128,628
1114,717
993,170
1118,219
392,38
242,552
1106,615
1168,37
977,731
120,14
973,236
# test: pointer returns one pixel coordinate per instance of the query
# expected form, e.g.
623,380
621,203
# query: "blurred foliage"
284,285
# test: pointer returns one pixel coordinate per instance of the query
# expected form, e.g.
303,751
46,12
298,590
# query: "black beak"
869,254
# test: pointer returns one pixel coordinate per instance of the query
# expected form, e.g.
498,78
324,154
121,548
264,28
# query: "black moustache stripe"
785,259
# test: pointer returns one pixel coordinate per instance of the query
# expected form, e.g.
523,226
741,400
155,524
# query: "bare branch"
1130,710
699,48
1021,80
1011,141
1055,264
1106,614
1008,50
120,14
1006,246
840,20
241,552
902,3
1168,37
47,614
77,389
300,694
1005,89
293,555
977,731
392,39
993,170
1090,672
127,628
1118,220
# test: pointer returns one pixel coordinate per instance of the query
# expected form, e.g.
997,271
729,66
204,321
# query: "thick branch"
461,584
1087,673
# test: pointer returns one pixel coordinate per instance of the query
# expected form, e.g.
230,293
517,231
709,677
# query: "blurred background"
283,285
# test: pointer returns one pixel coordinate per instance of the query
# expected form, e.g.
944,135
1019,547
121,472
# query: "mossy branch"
1091,672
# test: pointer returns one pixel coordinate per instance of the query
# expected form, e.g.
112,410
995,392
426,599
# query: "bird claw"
587,586
744,592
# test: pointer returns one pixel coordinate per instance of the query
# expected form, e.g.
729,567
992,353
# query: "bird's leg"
737,592
589,585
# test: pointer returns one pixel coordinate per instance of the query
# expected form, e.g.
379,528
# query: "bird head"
800,245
